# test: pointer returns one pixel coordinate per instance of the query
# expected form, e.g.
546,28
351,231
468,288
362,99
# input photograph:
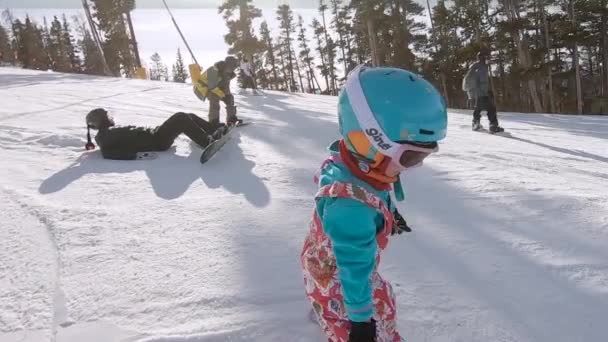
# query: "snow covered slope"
509,244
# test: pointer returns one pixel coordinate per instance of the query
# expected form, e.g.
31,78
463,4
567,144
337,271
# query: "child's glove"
400,225
362,331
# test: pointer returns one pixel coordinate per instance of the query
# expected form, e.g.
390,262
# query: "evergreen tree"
32,46
180,74
284,75
58,51
305,55
158,70
269,56
339,26
117,46
324,67
48,42
70,46
239,15
92,60
330,49
5,46
285,18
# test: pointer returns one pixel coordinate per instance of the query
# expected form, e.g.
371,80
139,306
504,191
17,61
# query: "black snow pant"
248,82
214,107
194,127
485,103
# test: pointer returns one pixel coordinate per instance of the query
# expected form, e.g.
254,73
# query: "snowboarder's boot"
220,131
496,129
476,125
231,118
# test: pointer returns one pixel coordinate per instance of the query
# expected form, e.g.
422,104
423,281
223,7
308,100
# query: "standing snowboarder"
390,121
477,85
123,143
214,84
247,75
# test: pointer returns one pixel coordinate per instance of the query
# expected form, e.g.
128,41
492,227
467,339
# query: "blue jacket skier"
390,121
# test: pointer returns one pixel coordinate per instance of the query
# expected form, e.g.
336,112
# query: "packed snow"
509,243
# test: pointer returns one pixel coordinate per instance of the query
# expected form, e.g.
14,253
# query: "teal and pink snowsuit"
351,225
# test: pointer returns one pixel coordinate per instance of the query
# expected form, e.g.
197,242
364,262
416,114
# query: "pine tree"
330,49
305,56
340,27
117,46
285,18
270,53
70,46
407,31
158,70
5,46
180,74
58,50
240,37
31,49
445,64
48,42
324,67
285,80
92,60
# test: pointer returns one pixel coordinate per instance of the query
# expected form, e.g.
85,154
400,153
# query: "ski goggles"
412,154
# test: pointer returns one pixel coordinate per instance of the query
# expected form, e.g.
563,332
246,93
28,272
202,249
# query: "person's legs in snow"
181,123
477,114
492,117
331,314
216,131
231,117
214,109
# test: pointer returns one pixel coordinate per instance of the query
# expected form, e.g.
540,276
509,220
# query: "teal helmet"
390,106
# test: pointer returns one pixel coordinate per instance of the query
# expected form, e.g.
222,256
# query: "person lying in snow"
124,142
390,120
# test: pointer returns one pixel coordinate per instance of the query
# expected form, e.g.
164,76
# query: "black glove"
362,332
399,226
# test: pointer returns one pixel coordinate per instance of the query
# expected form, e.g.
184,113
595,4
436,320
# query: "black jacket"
124,142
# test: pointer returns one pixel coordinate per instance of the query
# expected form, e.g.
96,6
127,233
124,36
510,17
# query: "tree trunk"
339,28
523,53
434,39
285,75
548,59
577,72
372,41
323,62
312,73
299,75
273,64
332,72
604,47
133,40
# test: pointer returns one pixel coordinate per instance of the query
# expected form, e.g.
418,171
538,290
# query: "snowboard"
216,145
485,130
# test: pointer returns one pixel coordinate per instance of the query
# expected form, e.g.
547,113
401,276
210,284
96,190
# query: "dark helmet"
231,62
98,119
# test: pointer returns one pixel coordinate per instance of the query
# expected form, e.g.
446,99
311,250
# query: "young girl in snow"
390,120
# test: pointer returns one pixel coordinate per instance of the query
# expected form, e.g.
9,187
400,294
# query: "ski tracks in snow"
47,309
